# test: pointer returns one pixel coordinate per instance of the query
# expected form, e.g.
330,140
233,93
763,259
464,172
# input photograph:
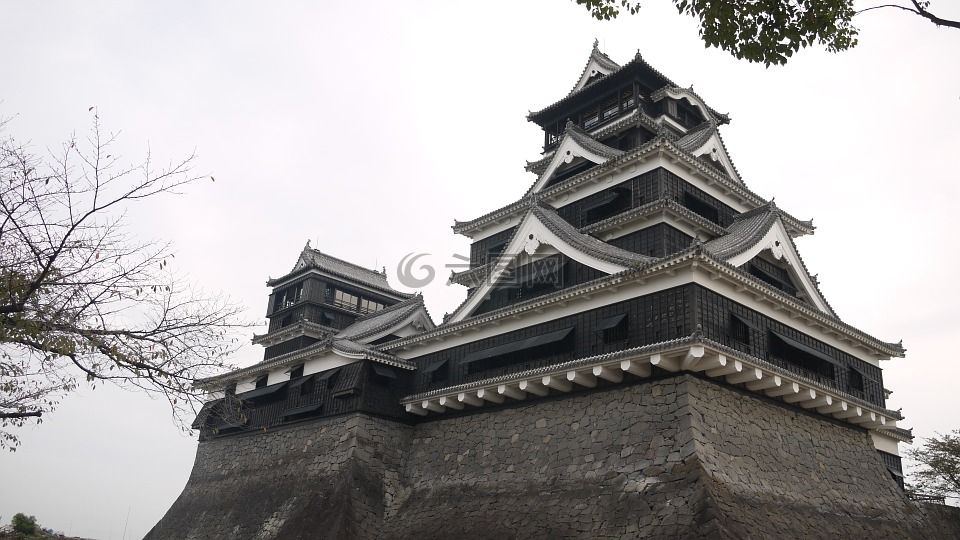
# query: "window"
438,371
855,381
607,204
260,382
296,372
381,375
811,362
329,378
739,329
614,329
772,275
369,306
529,349
700,207
287,297
345,300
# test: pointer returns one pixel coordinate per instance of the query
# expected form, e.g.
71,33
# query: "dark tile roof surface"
346,346
382,320
637,62
660,141
584,242
315,259
697,136
585,140
745,231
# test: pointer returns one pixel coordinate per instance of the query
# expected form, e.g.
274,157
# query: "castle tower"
641,353
638,249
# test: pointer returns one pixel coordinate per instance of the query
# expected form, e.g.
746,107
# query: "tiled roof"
636,63
694,252
382,320
697,136
601,59
658,142
635,118
720,118
345,346
584,242
585,140
745,231
315,259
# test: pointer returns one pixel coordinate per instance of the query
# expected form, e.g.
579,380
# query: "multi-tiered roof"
638,250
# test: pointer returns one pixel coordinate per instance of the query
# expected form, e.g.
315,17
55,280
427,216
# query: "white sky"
368,128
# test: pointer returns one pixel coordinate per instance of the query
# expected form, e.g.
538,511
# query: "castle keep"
641,352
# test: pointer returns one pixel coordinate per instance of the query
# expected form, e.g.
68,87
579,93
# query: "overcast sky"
369,127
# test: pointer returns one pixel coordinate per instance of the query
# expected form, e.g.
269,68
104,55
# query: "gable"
534,239
598,66
714,153
776,242
573,148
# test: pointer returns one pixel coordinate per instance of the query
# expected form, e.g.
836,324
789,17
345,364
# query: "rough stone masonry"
679,457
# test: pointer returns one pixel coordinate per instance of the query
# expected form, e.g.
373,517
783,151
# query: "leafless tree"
81,298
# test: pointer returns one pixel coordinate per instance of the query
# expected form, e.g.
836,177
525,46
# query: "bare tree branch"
80,297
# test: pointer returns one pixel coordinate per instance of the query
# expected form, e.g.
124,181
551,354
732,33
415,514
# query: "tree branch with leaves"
81,299
939,460
770,31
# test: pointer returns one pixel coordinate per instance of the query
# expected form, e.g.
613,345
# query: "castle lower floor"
676,457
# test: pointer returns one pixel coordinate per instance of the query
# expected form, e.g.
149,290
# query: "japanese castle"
637,278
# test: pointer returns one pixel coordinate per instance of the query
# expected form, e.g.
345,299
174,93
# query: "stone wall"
674,458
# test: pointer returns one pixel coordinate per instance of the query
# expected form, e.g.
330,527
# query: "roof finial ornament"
308,244
384,271
596,43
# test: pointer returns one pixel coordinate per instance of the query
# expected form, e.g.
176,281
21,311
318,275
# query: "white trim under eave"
528,238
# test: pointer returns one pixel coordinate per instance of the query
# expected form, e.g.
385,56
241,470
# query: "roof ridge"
348,263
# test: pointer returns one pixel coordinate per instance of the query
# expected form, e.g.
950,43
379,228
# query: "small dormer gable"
599,65
704,143
577,152
542,234
759,244
685,106
400,320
